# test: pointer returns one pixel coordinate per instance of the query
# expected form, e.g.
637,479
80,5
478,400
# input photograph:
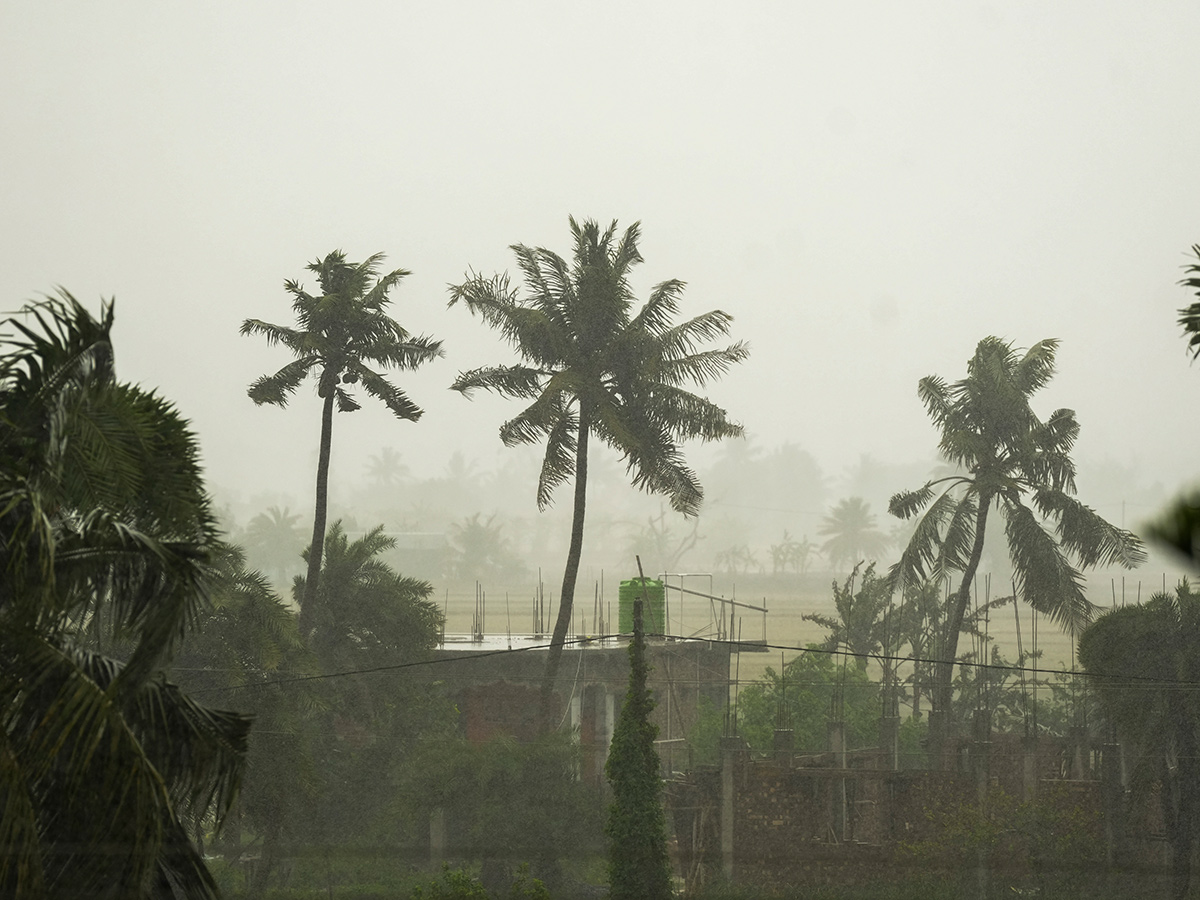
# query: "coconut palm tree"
853,537
591,366
1009,459
105,539
338,333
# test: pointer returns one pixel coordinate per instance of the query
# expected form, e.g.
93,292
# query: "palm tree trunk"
566,598
940,726
317,547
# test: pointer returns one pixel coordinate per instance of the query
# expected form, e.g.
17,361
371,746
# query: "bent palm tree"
592,367
338,334
105,535
1009,459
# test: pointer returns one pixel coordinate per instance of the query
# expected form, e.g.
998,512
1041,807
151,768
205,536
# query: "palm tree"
853,537
1006,458
105,536
593,368
274,540
1143,661
386,469
338,334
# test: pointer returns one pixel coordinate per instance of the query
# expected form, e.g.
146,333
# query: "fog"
867,189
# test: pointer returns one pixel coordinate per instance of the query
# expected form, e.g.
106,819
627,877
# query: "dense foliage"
1143,661
106,551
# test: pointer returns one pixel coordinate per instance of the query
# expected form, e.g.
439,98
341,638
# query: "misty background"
868,189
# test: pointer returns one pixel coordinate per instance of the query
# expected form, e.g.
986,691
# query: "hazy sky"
869,188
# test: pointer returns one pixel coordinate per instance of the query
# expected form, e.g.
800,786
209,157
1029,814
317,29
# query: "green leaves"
105,538
581,347
1009,459
1189,316
339,333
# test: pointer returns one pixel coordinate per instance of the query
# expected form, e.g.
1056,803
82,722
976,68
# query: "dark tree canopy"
106,541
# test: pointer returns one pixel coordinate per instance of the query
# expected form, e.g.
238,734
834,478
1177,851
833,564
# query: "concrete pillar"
889,741
1081,752
783,744
1112,793
1029,767
730,751
837,744
939,740
437,836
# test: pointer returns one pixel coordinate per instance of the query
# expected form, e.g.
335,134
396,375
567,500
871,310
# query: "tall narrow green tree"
638,865
339,336
591,366
1010,460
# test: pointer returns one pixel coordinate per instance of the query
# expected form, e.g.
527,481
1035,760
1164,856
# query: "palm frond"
408,353
1036,367
1086,534
934,394
958,538
906,504
507,381
296,341
921,554
278,388
700,368
682,339
1189,316
655,315
1044,577
345,401
541,417
558,464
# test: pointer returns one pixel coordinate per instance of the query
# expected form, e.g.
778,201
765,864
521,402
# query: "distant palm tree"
591,366
273,541
386,469
853,537
338,334
1010,459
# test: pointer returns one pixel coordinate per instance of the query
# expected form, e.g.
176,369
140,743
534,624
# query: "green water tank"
653,613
